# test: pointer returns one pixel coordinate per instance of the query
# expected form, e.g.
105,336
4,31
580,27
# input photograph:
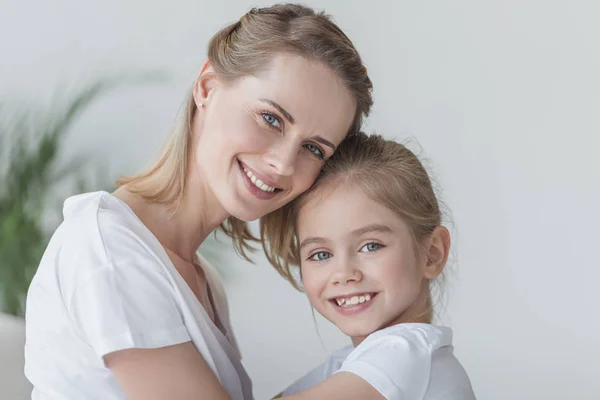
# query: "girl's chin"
356,332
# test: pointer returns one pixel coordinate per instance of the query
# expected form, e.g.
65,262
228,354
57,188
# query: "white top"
105,284
403,362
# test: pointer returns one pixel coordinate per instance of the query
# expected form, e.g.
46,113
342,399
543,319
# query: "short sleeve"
309,380
320,373
398,366
124,306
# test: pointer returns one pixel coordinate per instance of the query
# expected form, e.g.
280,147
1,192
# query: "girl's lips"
353,309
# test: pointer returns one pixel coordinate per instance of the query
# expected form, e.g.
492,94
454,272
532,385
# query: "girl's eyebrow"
310,240
357,232
371,228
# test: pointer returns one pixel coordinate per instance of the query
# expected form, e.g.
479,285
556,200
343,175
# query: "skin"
353,245
282,125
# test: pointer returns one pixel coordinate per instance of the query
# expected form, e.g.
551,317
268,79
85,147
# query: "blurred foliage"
30,170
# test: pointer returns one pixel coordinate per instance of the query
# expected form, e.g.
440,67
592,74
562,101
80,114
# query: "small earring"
202,105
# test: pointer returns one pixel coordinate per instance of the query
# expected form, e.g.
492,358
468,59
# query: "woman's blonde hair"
386,171
246,48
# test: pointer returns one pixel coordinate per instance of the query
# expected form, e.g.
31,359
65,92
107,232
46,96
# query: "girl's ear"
438,249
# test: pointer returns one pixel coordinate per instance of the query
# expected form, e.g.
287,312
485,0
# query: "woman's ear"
207,80
438,249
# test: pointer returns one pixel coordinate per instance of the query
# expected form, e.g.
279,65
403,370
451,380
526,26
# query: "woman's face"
261,140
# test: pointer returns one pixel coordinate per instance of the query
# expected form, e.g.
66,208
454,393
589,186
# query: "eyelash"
379,247
317,151
320,155
264,116
313,255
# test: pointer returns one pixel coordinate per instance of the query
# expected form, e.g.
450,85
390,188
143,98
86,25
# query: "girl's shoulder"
397,361
419,334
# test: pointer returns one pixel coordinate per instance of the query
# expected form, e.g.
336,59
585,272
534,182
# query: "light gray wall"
503,96
13,384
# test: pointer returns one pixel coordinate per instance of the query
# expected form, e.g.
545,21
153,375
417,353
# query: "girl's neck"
418,313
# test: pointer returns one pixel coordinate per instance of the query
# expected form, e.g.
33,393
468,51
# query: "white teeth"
351,301
258,183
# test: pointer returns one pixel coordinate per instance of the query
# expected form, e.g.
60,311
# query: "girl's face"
359,264
262,140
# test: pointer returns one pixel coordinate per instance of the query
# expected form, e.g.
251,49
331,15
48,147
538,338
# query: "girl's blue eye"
320,256
314,150
271,120
369,247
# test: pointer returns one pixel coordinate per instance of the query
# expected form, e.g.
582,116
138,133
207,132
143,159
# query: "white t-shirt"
105,284
403,362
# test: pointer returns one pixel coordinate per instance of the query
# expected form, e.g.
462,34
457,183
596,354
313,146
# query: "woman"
121,307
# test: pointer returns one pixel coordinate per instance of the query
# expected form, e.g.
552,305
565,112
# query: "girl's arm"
393,363
323,383
180,372
173,372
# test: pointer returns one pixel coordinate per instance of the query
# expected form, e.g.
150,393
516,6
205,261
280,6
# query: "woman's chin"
246,214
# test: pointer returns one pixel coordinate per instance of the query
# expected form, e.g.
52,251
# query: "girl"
369,242
121,306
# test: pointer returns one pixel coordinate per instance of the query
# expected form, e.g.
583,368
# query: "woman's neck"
183,230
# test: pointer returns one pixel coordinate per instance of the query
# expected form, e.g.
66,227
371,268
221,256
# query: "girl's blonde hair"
386,171
246,48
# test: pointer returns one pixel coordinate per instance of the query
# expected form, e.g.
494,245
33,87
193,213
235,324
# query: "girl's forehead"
340,207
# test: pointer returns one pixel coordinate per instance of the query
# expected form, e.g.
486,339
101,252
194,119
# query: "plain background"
503,97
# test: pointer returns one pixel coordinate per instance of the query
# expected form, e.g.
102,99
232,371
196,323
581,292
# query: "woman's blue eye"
314,149
320,256
271,120
369,247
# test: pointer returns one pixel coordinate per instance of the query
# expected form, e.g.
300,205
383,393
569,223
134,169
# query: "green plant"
29,173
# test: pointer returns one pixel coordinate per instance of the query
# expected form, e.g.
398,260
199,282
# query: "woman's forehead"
308,90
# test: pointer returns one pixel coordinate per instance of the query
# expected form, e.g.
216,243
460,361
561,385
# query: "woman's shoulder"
104,224
98,231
